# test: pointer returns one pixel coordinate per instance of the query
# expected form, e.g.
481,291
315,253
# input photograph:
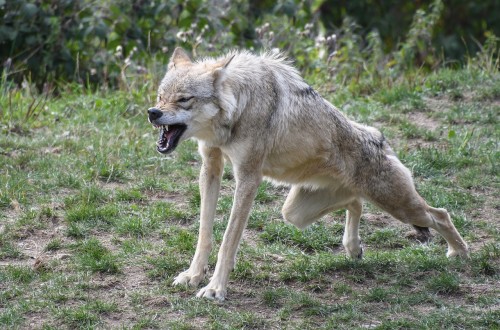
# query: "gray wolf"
259,114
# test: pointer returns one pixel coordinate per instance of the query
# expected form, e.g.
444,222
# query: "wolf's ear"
220,67
179,58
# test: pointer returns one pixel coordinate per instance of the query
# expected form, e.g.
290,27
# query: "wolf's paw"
459,253
189,278
354,251
212,292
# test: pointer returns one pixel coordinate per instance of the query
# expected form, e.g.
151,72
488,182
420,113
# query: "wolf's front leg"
247,183
210,179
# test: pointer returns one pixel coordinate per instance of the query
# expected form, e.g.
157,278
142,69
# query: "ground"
94,224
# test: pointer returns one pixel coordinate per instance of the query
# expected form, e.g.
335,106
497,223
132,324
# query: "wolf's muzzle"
154,114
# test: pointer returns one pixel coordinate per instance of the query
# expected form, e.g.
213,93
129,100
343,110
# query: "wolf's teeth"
166,127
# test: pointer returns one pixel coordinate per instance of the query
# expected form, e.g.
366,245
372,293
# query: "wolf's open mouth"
169,137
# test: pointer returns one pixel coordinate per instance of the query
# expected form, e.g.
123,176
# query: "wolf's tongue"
169,134
166,137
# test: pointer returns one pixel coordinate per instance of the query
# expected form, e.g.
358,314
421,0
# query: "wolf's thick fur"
258,113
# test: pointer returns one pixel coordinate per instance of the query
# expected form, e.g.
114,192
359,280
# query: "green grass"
95,257
94,224
86,316
317,237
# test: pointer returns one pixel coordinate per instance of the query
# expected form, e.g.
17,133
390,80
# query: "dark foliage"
93,42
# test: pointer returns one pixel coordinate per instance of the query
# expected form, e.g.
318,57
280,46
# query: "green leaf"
29,10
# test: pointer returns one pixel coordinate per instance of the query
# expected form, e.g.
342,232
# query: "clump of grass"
442,81
378,294
68,180
110,173
224,204
342,288
181,239
274,297
32,220
412,131
249,320
79,317
18,274
402,97
318,237
166,266
103,216
259,218
167,211
135,226
7,248
310,306
423,259
77,230
132,195
445,283
488,93
54,245
154,184
263,193
244,270
93,256
23,111
87,315
194,196
85,212
90,195
150,323
387,237
486,261
397,324
11,317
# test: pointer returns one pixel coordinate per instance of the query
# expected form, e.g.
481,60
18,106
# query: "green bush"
108,43
99,42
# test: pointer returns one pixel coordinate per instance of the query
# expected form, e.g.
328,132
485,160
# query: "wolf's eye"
184,99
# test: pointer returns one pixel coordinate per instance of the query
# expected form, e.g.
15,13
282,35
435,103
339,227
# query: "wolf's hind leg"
351,239
303,206
442,223
438,219
396,194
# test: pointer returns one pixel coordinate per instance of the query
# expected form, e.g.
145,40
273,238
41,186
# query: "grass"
94,257
94,224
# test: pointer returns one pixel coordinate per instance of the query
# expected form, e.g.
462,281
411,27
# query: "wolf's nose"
154,114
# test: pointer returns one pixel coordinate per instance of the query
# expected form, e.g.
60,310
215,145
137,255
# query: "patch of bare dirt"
32,242
250,237
423,120
168,197
438,104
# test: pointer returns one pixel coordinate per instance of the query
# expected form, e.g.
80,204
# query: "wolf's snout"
154,114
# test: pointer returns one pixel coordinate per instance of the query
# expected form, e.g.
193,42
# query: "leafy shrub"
109,43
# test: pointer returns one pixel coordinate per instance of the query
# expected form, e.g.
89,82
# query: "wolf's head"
187,101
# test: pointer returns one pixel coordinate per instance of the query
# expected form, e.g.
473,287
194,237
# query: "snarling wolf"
260,115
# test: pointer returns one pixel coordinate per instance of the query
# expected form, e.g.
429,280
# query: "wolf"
256,112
